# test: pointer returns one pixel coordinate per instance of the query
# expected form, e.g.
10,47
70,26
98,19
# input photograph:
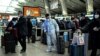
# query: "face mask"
96,16
48,19
14,22
20,15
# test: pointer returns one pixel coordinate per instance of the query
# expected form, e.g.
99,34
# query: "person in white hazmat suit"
51,29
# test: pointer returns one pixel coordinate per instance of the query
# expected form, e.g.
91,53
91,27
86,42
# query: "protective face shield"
96,16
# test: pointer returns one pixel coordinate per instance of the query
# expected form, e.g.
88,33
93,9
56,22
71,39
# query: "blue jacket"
50,25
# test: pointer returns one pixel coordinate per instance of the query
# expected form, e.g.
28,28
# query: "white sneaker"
53,49
48,50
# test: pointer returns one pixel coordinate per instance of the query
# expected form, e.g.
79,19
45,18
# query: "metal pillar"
89,6
47,7
64,7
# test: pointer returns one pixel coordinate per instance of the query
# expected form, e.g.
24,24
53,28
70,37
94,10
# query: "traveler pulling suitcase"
9,43
60,45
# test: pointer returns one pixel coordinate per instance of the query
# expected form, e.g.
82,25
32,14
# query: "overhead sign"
31,11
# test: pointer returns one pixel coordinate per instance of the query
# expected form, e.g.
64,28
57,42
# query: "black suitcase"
2,41
9,43
33,35
60,45
44,38
76,50
10,47
33,38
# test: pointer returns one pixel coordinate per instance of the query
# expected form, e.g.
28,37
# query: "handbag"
78,38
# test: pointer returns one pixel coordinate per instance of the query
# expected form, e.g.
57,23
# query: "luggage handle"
7,32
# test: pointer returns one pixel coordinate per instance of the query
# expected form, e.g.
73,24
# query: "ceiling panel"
14,4
5,2
2,9
76,6
9,5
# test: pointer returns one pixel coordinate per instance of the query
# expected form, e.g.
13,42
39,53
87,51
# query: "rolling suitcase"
10,47
44,38
66,37
73,50
2,41
33,35
9,43
76,50
86,44
60,45
33,38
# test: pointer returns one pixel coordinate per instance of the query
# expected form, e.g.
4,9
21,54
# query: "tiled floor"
36,49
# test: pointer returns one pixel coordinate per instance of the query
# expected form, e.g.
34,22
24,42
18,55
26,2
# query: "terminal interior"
58,9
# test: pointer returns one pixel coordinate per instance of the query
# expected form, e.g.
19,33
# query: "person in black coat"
29,25
94,34
22,31
83,22
13,31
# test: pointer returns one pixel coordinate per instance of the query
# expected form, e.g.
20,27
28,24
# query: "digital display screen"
31,11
